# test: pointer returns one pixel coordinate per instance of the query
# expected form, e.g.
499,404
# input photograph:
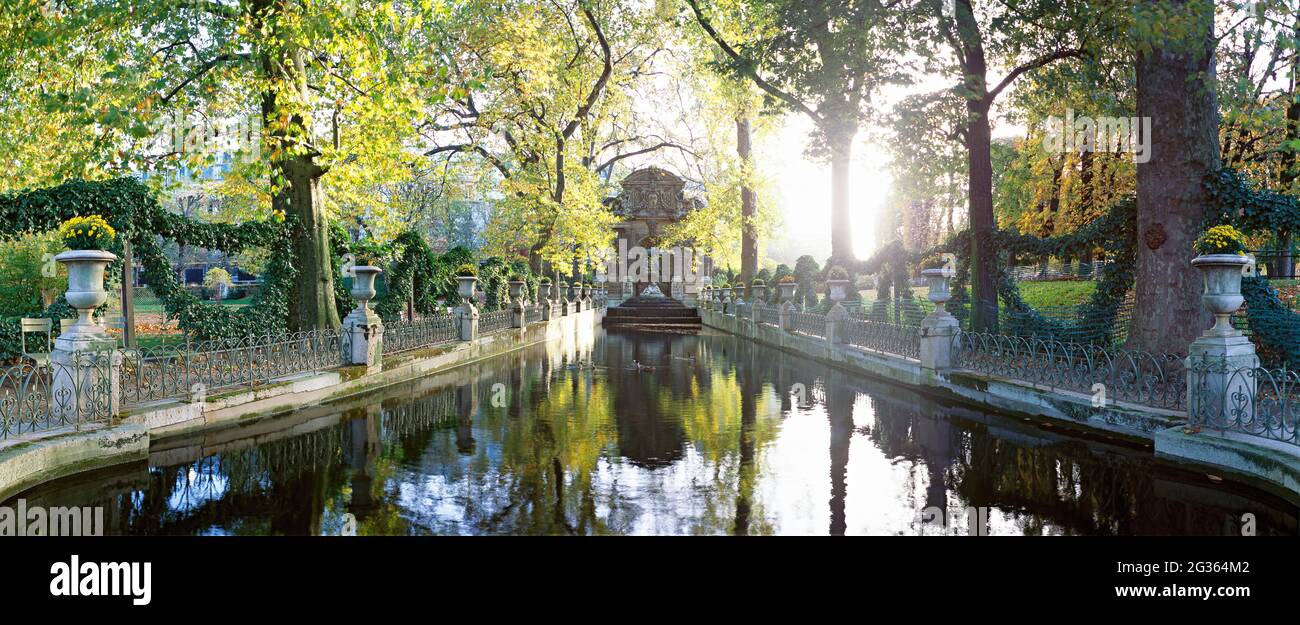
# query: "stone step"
657,312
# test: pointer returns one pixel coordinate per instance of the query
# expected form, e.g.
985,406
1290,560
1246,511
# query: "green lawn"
152,305
144,341
1049,293
1038,294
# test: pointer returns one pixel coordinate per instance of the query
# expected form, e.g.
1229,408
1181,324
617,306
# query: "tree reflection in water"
572,438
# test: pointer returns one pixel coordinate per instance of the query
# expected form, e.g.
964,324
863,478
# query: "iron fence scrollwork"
1253,401
401,336
1138,377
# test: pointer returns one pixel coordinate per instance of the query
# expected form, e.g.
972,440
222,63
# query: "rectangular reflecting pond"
655,434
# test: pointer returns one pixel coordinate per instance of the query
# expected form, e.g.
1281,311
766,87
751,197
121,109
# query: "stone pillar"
837,314
517,318
1219,363
548,305
939,329
835,330
86,365
466,313
788,310
363,328
467,321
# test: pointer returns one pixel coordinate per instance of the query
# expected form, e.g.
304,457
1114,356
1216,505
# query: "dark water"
715,440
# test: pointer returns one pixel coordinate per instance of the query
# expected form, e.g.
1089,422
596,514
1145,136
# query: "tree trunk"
311,302
311,306
1176,88
840,139
748,205
1285,261
983,254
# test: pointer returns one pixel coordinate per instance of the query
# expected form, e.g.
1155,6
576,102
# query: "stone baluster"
466,313
517,317
363,328
939,329
1220,361
86,366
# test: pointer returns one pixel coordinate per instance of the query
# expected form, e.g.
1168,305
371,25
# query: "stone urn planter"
544,291
561,292
516,289
363,284
465,287
1222,294
787,290
938,280
85,291
759,290
837,289
586,291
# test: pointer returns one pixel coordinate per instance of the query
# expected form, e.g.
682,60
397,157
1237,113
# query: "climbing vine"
1114,232
131,209
1233,200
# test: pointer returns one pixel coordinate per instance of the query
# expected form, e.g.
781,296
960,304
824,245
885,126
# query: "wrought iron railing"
1156,380
400,336
53,395
494,321
178,371
1247,400
768,315
811,324
533,314
901,340
419,415
900,312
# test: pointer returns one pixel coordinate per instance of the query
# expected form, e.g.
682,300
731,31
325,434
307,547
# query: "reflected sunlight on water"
569,438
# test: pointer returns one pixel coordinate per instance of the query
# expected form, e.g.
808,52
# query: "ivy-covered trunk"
296,178
1175,87
983,256
311,304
